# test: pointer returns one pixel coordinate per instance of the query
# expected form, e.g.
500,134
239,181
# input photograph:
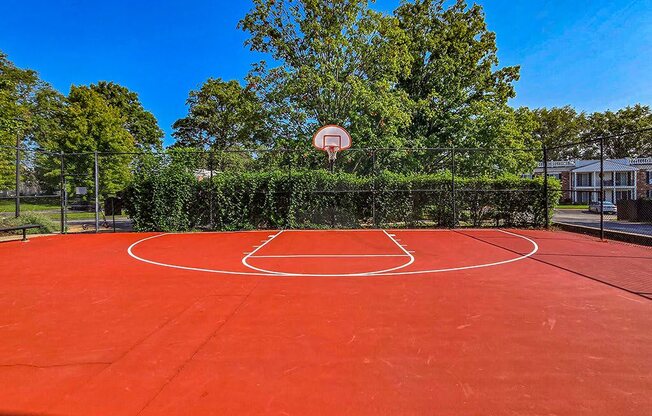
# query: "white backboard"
332,135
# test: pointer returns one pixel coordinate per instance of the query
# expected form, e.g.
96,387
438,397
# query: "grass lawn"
585,207
8,205
56,216
82,216
51,211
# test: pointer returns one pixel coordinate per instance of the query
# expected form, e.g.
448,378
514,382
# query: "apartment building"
580,179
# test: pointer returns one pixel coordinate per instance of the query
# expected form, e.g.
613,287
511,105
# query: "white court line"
478,266
174,266
230,272
370,273
244,259
401,246
301,256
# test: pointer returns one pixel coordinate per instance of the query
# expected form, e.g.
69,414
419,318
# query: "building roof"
609,166
593,165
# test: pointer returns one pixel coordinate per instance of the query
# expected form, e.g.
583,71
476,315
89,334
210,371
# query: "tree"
27,105
18,88
559,126
140,123
504,137
339,64
617,126
222,115
90,124
104,117
453,70
573,135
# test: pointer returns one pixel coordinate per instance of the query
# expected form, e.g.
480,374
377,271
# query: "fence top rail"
369,149
278,150
599,138
30,149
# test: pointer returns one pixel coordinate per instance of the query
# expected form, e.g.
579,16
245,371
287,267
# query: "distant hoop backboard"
332,136
331,139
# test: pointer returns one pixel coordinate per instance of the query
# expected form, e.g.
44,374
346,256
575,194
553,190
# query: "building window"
620,195
555,175
583,179
583,197
649,177
623,179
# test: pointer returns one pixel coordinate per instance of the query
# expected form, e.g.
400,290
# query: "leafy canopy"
566,131
339,62
26,106
222,115
103,117
617,123
140,123
454,70
89,124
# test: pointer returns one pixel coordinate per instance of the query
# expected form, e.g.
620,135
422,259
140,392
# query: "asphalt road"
590,219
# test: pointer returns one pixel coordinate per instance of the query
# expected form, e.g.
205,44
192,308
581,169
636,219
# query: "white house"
623,179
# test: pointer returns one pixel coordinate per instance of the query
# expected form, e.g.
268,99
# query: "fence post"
17,199
289,187
210,189
97,192
113,211
601,188
453,191
545,186
65,204
62,195
373,187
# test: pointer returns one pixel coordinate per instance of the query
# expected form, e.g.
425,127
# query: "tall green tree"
454,70
572,134
339,62
617,125
560,126
90,124
28,107
103,117
16,88
140,123
223,115
504,138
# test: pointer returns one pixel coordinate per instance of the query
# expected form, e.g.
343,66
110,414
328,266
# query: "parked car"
607,207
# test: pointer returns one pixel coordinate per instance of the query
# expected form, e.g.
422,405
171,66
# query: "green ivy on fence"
165,195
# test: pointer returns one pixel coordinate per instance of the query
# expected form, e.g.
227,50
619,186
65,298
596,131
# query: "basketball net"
332,152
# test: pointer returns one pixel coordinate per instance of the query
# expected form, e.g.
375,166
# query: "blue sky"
591,54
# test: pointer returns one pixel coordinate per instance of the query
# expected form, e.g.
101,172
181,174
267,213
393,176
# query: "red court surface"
444,322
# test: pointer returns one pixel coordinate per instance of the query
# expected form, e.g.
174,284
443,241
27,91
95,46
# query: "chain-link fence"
601,186
606,187
183,189
30,188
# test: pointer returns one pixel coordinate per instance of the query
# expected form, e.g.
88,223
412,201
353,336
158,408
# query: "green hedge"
168,197
48,226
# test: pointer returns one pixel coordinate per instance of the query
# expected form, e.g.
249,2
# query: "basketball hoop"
331,139
332,152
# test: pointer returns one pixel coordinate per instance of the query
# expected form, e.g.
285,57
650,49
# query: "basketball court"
449,322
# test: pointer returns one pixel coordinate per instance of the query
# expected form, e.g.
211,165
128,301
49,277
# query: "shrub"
47,225
166,196
161,194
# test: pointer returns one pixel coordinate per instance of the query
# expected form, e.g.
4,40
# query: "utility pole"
545,185
17,176
97,194
602,188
